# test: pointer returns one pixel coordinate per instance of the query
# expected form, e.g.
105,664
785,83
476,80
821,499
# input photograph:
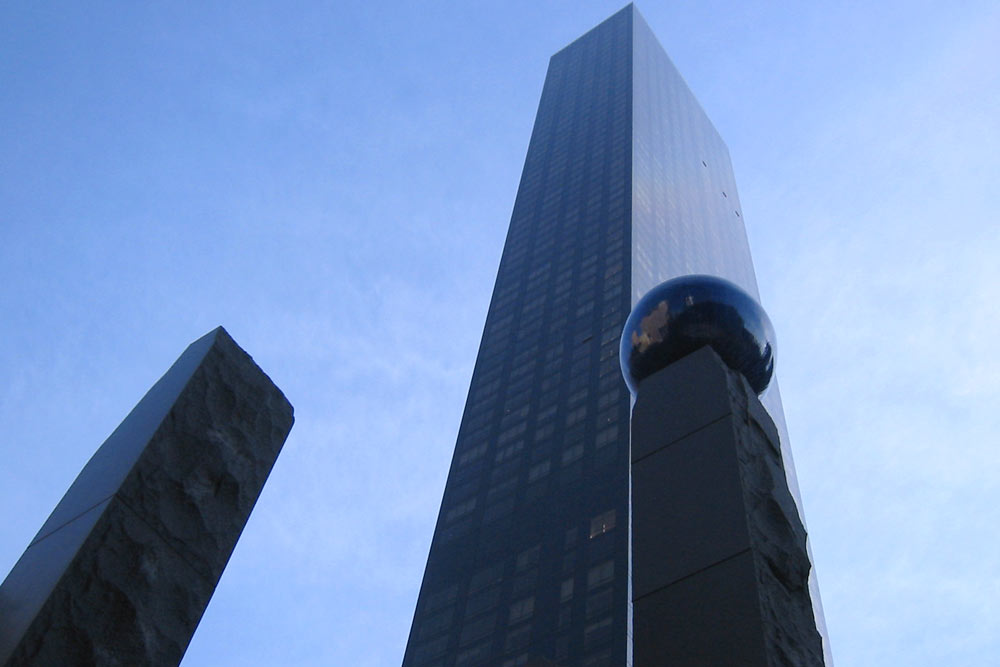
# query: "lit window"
602,523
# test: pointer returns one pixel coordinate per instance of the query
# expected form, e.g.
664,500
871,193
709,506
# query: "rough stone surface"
777,536
687,586
123,570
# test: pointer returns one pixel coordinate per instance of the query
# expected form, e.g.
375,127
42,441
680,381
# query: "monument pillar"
122,570
720,571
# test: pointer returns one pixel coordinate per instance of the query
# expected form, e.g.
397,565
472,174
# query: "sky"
332,182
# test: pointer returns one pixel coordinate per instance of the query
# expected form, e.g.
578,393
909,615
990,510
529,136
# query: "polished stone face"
720,566
684,314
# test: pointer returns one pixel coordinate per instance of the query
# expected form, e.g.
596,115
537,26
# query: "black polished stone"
697,517
123,569
693,396
709,619
720,569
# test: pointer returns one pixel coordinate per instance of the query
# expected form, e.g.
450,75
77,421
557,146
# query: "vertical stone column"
122,570
720,570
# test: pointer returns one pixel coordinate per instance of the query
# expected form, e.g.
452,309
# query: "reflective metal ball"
684,314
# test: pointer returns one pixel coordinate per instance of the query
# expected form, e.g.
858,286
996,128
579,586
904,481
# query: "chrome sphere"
683,314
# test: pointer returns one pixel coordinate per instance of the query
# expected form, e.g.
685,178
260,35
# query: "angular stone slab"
124,567
719,564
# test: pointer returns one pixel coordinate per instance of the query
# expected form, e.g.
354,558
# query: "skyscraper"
626,183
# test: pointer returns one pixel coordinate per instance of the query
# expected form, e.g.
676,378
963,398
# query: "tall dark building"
626,184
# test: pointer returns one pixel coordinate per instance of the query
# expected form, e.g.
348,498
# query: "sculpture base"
720,569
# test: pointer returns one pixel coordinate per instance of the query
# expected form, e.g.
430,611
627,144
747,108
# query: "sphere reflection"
684,314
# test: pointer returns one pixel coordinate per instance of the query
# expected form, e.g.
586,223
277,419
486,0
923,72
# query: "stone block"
123,569
720,568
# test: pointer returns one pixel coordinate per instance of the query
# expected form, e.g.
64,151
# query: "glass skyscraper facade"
626,184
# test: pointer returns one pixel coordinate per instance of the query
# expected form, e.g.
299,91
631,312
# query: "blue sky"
332,183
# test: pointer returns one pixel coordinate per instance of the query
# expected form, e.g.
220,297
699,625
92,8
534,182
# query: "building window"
600,602
503,470
431,649
524,583
498,510
514,415
606,436
488,576
437,623
518,638
601,574
460,510
569,563
440,599
602,523
602,659
522,369
607,417
543,432
509,452
596,632
501,489
477,629
611,334
538,471
566,590
472,454
608,398
562,647
511,433
565,617
475,655
571,454
548,413
521,610
577,397
576,416
528,558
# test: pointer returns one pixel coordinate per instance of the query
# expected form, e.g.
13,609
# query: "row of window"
482,621
573,436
